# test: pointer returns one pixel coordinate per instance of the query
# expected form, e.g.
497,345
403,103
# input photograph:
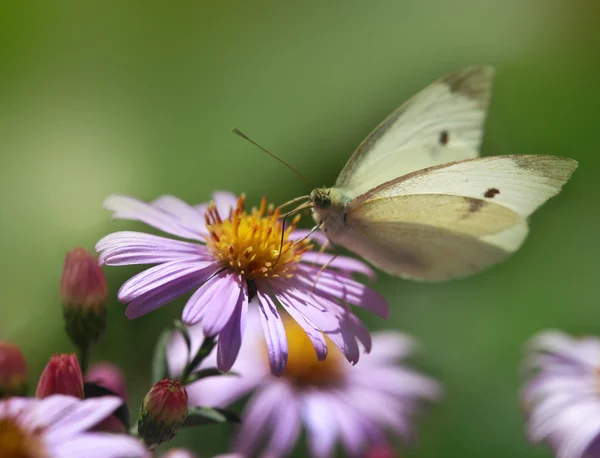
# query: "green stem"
84,357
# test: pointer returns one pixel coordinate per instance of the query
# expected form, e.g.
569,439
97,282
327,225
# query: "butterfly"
417,201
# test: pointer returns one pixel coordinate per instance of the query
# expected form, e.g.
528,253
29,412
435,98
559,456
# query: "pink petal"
274,333
230,337
257,418
125,207
313,333
99,445
160,275
183,212
321,424
166,292
83,415
286,425
202,300
343,263
225,202
125,248
223,303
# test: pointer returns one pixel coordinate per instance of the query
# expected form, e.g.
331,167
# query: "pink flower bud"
84,295
13,371
62,375
163,412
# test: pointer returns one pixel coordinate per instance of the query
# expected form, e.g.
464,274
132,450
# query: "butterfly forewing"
442,123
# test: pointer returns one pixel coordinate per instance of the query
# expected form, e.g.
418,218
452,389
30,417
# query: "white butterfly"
416,200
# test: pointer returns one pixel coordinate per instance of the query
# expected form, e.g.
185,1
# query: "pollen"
256,244
303,368
16,442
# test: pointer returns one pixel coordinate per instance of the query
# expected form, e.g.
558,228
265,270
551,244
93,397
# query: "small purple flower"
238,257
57,427
561,400
331,399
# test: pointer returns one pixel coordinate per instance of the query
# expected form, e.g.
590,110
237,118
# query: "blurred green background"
139,98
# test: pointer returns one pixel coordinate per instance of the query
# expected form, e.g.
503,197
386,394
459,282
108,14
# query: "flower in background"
108,375
13,371
238,256
333,400
163,412
561,399
84,295
62,375
57,427
111,377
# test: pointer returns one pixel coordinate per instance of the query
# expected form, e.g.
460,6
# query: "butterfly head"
321,198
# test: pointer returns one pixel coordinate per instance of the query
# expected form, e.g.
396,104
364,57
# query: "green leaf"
208,372
200,416
160,369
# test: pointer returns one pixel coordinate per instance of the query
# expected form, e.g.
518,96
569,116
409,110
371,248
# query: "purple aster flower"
561,400
57,427
237,257
331,399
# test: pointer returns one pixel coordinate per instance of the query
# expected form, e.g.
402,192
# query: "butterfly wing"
442,123
452,220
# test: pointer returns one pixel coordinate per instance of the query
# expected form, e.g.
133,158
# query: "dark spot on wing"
444,137
475,204
490,193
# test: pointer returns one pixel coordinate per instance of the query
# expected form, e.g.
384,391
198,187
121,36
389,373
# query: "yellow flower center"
255,243
303,368
16,442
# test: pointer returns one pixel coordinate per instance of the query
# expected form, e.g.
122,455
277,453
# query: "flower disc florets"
255,244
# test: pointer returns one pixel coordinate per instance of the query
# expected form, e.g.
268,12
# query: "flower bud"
84,295
163,412
13,371
111,377
62,375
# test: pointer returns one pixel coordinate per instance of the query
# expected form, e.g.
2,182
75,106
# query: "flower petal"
257,418
274,333
224,302
160,294
286,424
225,202
321,424
202,300
343,263
183,212
125,207
158,276
338,286
82,415
99,445
390,346
126,247
312,331
230,337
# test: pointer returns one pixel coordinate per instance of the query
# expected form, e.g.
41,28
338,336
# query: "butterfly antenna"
239,133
